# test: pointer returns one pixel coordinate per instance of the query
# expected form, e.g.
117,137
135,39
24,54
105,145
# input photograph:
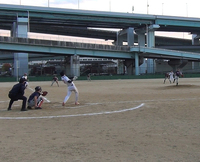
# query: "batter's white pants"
69,92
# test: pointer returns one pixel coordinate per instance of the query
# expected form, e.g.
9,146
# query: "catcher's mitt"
44,93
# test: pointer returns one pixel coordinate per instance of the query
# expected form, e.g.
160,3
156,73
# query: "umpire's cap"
22,80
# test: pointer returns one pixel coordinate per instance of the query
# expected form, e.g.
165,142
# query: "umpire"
17,93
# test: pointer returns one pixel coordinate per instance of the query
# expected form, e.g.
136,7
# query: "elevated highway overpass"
73,22
45,49
90,24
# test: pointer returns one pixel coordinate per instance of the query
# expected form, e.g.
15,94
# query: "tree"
6,67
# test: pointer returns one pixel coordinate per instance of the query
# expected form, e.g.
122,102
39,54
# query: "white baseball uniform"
171,76
70,87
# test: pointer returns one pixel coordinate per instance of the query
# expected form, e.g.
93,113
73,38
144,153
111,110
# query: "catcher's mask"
38,88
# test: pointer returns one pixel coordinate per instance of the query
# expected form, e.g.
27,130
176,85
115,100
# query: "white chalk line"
76,115
181,99
96,104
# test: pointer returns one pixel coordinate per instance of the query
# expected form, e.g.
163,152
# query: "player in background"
178,74
35,99
89,77
55,79
70,87
171,76
166,77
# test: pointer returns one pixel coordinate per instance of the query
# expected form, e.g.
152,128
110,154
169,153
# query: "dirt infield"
116,121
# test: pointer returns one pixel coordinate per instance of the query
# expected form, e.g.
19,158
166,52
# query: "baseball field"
133,120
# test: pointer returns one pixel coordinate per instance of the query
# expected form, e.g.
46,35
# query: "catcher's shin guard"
40,102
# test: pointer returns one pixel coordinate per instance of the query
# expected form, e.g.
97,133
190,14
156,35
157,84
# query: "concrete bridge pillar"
136,64
195,39
120,39
130,36
174,64
20,29
141,43
72,65
141,38
130,64
151,66
75,65
177,64
151,35
126,35
121,67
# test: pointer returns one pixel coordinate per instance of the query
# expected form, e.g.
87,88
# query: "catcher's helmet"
38,88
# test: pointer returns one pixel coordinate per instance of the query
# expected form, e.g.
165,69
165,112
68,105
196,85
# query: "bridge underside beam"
65,51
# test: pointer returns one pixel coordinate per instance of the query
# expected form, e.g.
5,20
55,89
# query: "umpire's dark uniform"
17,93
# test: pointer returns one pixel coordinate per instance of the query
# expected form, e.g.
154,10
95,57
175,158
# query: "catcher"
35,99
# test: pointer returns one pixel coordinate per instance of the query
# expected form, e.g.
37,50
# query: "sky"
185,8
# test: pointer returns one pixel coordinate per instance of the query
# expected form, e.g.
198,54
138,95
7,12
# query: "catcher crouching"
35,99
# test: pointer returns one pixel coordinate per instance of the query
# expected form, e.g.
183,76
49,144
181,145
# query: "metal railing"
30,41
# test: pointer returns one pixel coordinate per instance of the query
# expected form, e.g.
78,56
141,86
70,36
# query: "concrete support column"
68,69
75,65
195,39
119,40
136,64
141,43
141,40
130,36
174,63
20,29
151,35
151,66
177,63
141,37
126,35
130,66
120,67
